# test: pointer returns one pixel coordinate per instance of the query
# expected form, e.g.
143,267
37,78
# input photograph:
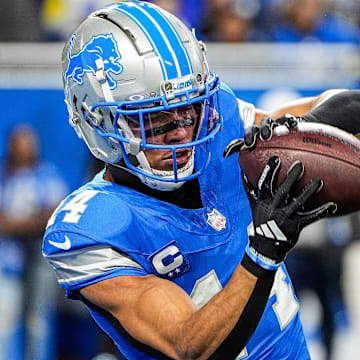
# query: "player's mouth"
182,157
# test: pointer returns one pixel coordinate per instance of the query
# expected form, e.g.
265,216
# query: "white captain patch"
216,220
169,262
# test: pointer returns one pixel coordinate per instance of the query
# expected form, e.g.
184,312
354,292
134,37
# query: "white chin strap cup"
184,172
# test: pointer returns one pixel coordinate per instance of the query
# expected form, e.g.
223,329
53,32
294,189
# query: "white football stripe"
277,231
267,231
250,229
259,231
177,65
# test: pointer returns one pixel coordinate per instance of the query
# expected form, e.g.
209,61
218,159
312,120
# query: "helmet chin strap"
186,171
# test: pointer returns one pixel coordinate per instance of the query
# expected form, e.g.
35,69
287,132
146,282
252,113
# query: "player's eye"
176,124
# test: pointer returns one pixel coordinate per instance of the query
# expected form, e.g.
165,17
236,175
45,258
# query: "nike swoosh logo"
66,245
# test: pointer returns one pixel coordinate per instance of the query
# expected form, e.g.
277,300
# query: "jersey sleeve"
85,244
79,267
247,113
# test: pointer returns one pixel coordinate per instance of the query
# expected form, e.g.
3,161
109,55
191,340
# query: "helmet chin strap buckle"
95,117
134,146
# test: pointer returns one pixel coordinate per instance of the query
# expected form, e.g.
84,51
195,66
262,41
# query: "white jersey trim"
82,264
247,113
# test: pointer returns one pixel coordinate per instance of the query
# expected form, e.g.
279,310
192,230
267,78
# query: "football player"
162,245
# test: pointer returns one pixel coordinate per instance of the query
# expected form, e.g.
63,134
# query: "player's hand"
277,217
264,131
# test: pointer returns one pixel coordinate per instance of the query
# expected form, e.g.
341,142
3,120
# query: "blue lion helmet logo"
98,47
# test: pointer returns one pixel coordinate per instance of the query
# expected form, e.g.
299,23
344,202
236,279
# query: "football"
327,153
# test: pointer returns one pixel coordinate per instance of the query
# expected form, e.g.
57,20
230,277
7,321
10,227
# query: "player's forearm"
159,314
250,315
297,107
174,326
204,332
223,327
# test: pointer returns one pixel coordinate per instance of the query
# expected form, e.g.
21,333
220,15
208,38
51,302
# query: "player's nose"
177,135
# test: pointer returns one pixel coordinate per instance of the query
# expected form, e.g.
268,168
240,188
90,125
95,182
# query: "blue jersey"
105,230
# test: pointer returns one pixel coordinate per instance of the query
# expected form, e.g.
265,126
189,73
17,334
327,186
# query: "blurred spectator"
351,284
20,20
29,191
221,20
173,6
348,8
193,15
60,17
310,20
217,20
316,268
226,20
231,21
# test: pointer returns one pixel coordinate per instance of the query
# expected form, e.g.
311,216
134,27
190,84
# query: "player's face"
169,128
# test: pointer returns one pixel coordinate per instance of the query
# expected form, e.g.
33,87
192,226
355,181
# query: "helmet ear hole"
88,122
82,112
75,101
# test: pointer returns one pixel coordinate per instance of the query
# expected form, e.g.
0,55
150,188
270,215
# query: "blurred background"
268,51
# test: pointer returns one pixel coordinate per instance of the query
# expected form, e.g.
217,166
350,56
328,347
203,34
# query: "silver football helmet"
133,74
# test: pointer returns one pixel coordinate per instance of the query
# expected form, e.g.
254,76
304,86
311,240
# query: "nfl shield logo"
216,220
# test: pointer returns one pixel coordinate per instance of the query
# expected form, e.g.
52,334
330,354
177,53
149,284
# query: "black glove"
264,131
277,217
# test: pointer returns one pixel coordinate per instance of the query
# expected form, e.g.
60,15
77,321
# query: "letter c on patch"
167,260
